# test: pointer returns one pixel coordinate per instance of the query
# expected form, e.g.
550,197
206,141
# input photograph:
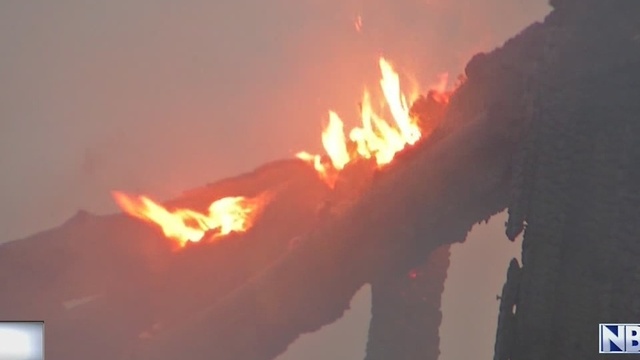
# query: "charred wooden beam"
459,176
579,202
405,312
442,190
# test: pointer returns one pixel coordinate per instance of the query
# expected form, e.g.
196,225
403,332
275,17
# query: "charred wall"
578,193
568,88
406,312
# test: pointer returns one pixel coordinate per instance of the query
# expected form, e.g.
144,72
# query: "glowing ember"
376,138
413,274
226,215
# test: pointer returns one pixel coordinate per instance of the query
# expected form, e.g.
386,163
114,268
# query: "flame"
376,137
226,215
326,170
334,142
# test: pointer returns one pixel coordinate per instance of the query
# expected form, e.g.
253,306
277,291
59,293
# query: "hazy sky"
159,96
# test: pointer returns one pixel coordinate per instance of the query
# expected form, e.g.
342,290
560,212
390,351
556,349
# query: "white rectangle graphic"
21,340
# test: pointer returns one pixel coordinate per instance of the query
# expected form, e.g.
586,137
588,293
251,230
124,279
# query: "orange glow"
224,216
376,137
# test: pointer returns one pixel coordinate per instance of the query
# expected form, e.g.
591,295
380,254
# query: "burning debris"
224,216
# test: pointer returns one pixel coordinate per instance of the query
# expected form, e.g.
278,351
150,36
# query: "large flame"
226,215
376,137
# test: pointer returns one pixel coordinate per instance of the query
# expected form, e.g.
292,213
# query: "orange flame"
334,142
326,170
226,215
376,138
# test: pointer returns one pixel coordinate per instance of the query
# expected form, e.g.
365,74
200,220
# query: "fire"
226,215
334,142
323,166
376,137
